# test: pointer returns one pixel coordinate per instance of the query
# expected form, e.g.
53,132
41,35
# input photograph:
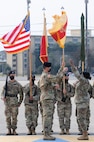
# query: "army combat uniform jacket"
82,96
47,85
35,94
67,97
14,95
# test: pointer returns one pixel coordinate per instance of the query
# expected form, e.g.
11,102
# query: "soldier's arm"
58,77
71,91
36,95
20,94
93,91
76,72
44,82
3,93
26,88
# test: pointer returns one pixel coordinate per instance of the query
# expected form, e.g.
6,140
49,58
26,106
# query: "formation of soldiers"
50,90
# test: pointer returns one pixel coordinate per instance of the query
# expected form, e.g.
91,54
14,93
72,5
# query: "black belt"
11,95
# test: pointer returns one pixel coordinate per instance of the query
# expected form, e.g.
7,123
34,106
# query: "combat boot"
67,132
29,131
62,132
9,132
48,137
84,136
14,132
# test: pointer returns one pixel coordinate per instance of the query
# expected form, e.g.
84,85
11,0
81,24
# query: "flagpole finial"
62,8
28,3
44,10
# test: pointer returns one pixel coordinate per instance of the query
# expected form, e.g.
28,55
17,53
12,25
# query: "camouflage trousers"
64,111
82,119
11,114
87,120
48,109
31,115
41,110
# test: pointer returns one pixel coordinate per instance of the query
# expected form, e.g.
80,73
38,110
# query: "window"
75,40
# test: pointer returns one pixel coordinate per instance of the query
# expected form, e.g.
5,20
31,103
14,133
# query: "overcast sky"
13,11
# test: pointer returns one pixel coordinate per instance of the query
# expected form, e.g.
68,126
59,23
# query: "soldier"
12,101
87,115
47,97
41,112
64,105
82,99
31,107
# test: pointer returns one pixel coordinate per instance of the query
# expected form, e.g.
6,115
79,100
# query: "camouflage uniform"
47,98
12,101
31,108
41,112
82,100
64,106
87,115
87,121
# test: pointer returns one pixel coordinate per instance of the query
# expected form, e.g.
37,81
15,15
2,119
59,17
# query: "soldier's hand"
31,97
64,91
57,86
71,62
65,69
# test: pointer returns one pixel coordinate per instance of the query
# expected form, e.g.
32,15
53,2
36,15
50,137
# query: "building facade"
20,62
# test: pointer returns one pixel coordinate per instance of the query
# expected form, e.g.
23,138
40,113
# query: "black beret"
12,72
47,64
87,75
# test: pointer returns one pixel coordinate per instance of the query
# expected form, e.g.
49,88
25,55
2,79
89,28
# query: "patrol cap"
87,75
47,64
12,72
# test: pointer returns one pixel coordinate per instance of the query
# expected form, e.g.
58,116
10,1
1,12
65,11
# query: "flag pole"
44,30
43,15
44,41
82,44
63,59
30,56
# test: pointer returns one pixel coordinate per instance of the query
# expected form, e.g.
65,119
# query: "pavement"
22,129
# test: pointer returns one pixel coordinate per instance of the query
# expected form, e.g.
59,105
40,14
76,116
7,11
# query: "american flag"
18,39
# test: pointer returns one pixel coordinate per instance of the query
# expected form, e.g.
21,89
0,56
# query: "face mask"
11,77
33,81
49,70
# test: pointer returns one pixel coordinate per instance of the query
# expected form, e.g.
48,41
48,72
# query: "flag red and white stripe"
18,39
